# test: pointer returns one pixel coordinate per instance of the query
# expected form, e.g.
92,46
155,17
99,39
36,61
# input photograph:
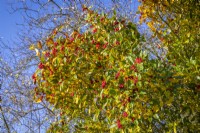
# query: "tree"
103,72
41,17
175,23
84,86
103,79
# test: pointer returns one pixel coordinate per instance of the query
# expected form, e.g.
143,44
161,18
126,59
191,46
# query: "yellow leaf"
188,34
32,47
38,100
49,41
155,108
175,127
39,45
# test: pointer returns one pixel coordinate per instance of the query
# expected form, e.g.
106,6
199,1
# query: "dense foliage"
176,23
103,80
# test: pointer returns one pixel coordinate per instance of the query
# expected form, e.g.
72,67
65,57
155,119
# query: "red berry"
62,48
94,30
133,119
71,39
103,84
121,86
41,66
119,124
117,42
91,82
116,29
133,68
116,23
117,75
72,94
54,51
105,45
55,44
138,60
102,19
79,35
161,39
33,76
140,17
135,80
93,41
85,8
129,99
125,114
47,54
97,46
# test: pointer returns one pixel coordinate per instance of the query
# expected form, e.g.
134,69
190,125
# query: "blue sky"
8,22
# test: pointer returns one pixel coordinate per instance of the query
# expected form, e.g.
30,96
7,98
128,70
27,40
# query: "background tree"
176,24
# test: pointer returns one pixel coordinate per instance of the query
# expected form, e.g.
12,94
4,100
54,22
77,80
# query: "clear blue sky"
8,27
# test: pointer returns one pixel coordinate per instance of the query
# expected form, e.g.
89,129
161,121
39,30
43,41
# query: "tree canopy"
102,66
102,78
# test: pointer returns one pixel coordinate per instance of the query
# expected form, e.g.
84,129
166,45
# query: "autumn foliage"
103,80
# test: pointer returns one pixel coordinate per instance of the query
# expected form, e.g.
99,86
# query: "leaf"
130,59
38,100
156,116
37,52
39,45
112,91
32,47
113,125
49,41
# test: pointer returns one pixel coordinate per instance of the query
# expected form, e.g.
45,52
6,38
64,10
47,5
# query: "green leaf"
112,91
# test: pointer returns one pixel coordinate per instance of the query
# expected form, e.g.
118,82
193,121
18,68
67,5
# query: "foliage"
104,81
176,24
39,18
